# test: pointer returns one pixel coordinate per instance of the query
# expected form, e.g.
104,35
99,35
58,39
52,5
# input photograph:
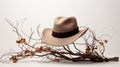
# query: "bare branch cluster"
94,48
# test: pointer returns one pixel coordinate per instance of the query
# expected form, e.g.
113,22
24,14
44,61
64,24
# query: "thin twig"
16,30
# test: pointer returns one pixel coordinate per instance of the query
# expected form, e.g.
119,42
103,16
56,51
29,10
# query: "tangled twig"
52,53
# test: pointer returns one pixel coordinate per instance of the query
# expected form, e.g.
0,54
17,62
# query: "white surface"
109,64
103,16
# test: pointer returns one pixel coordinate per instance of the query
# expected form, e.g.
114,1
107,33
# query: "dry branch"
92,52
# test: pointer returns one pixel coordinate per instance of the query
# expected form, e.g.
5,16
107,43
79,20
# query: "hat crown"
64,24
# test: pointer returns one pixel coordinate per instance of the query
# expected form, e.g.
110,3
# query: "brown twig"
63,53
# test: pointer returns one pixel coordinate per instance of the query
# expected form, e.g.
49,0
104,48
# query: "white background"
103,16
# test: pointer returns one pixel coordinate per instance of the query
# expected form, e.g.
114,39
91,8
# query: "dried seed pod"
105,41
27,51
101,43
47,49
38,50
95,48
41,48
22,40
31,53
18,41
58,60
88,50
19,55
14,59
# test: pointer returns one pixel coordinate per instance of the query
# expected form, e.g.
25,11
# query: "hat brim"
51,40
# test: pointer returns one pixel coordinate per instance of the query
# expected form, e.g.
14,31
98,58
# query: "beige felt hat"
64,32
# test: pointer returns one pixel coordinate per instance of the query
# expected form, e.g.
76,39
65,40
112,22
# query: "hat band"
66,34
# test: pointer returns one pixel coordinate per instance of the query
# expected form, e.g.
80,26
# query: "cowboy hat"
64,32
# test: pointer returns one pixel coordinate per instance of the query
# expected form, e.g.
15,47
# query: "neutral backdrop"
102,16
